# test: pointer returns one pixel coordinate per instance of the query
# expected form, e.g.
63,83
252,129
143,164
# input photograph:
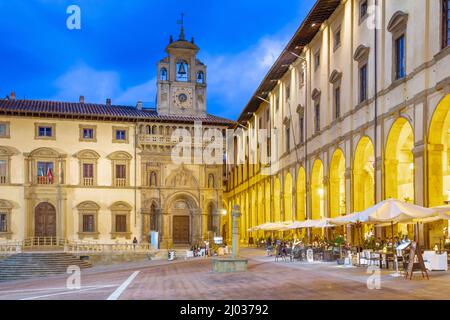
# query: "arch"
337,184
361,53
120,155
317,191
8,151
399,161
87,154
45,153
182,70
163,74
363,175
277,200
288,216
398,21
439,154
190,199
88,205
200,77
301,195
120,206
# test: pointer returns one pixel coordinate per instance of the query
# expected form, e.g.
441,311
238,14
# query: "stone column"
348,200
419,183
236,214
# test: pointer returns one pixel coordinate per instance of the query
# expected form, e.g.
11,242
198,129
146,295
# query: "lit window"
363,83
400,57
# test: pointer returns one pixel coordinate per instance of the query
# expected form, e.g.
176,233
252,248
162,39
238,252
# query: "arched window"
211,183
163,74
153,179
182,71
200,77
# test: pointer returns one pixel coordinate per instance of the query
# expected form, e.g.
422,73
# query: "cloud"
98,85
232,78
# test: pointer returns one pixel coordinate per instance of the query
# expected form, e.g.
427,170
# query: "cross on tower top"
181,22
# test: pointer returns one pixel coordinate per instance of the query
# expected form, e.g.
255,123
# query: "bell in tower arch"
182,69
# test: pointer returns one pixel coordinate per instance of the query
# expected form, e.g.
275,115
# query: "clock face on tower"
182,97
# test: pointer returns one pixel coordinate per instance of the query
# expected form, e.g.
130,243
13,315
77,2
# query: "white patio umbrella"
295,225
395,211
322,223
274,226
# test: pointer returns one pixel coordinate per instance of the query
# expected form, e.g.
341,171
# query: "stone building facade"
360,101
104,173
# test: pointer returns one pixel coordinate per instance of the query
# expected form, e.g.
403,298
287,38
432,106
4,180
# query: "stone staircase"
28,265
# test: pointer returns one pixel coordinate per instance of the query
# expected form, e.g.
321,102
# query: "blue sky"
115,53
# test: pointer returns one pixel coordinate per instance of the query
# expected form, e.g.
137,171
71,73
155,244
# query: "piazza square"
306,159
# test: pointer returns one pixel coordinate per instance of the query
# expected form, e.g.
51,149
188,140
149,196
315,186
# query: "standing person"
135,242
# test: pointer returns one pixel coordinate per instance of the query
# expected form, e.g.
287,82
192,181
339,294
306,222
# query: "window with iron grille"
3,222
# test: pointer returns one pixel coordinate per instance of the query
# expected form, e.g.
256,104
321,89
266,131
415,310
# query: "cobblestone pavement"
265,279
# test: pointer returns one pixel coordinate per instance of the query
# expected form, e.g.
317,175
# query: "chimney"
13,95
81,99
139,105
108,102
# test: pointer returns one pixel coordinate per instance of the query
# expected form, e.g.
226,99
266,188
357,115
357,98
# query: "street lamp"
223,212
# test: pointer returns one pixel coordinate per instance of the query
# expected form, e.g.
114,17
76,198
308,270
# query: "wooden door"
181,229
45,220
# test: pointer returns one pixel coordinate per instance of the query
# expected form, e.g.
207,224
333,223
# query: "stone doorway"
45,220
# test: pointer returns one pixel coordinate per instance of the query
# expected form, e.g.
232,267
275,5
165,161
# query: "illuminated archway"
317,191
337,184
439,155
277,200
363,175
288,198
399,162
301,195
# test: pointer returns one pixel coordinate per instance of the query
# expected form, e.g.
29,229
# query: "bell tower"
181,79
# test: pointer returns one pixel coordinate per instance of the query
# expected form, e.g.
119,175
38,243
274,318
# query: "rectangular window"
45,132
337,102
3,223
88,223
88,170
288,139
88,133
121,135
317,60
363,9
317,118
45,172
337,39
3,171
121,223
445,23
400,58
4,130
302,125
363,83
121,171
302,78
